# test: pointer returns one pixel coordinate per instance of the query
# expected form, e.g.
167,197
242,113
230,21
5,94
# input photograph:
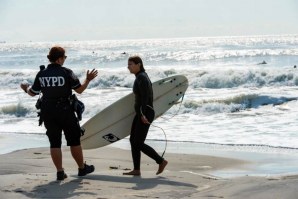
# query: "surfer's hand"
144,119
91,75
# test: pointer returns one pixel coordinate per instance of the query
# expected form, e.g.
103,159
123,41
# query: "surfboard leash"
166,139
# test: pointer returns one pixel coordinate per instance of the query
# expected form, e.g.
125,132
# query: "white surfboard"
114,122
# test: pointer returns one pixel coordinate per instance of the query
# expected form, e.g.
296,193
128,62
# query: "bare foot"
162,167
133,173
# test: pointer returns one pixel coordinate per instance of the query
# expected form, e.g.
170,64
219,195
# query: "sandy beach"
30,173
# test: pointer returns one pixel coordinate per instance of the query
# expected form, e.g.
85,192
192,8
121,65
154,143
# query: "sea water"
232,99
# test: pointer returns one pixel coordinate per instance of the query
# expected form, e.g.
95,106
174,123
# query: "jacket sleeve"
74,80
36,87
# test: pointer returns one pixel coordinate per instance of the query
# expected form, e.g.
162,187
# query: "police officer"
56,83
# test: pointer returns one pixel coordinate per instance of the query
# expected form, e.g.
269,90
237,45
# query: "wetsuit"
142,89
56,84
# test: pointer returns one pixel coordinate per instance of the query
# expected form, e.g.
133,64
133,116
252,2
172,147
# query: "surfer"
263,62
56,83
142,89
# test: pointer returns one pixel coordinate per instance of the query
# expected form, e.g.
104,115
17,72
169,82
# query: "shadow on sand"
57,189
140,183
75,188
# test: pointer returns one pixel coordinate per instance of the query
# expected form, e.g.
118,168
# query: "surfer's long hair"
137,60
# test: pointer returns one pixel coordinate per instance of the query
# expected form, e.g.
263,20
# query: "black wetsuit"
142,89
56,84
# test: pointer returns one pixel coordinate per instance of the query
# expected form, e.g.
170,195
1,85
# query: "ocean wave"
17,110
213,79
232,104
207,106
244,78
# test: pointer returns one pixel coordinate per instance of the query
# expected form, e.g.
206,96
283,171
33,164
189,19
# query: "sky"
68,20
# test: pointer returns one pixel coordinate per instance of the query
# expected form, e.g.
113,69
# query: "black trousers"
58,118
137,139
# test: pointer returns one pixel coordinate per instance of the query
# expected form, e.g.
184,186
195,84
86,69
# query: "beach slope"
30,174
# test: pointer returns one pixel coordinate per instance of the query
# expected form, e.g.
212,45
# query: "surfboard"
114,122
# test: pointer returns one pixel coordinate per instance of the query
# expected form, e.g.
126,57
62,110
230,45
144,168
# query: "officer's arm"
30,93
82,87
89,77
26,88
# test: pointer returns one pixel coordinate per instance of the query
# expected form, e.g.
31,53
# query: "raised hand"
91,75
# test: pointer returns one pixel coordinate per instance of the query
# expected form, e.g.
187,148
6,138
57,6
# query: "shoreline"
261,161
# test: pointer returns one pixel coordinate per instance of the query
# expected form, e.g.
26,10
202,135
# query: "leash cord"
166,140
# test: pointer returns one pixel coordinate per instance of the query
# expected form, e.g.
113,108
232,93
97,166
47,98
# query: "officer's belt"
57,100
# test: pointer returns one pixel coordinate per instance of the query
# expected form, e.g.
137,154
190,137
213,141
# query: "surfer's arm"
144,93
144,119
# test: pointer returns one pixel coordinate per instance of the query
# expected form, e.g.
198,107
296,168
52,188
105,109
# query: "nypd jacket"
55,82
